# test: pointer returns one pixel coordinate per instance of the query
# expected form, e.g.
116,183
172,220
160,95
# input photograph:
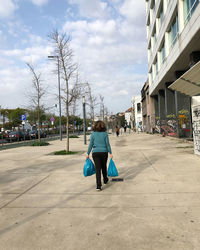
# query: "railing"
193,7
14,144
163,59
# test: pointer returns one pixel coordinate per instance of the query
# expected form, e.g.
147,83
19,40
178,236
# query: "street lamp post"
84,120
133,113
60,124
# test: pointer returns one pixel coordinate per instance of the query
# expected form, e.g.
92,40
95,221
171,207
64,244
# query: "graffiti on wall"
174,125
171,127
184,123
196,128
157,125
166,126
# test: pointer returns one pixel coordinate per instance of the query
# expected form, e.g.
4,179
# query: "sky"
108,38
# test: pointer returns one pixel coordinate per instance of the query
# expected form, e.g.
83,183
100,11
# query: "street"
47,203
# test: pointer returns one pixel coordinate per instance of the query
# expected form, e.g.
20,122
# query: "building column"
157,27
170,109
183,110
150,78
164,6
161,110
159,60
161,104
167,44
169,101
181,18
157,117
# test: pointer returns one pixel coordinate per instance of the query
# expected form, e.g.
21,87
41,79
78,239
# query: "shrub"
42,143
64,152
73,136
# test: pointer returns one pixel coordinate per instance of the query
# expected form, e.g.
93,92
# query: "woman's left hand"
87,156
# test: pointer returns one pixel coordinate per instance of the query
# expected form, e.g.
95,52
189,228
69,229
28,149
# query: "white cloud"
2,38
39,2
30,54
109,46
16,84
4,62
91,8
7,8
107,42
35,40
134,11
12,85
109,52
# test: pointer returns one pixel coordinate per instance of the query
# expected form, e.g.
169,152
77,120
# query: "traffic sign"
52,119
23,117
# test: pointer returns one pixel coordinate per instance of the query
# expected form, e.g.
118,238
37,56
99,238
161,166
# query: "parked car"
14,136
34,134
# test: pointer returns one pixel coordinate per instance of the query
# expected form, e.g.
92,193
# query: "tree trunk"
73,128
67,127
38,119
67,116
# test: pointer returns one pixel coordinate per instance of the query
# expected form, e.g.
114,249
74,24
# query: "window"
189,8
161,15
138,107
153,71
150,77
153,37
162,53
174,30
156,66
153,5
147,97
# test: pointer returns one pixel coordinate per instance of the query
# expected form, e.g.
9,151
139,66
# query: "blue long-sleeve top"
99,142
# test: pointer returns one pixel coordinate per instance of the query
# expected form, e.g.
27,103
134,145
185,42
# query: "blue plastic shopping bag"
89,168
112,170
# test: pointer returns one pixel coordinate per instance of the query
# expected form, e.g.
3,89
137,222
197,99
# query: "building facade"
129,117
148,109
173,35
137,106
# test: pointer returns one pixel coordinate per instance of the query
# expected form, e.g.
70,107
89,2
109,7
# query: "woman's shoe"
106,181
99,189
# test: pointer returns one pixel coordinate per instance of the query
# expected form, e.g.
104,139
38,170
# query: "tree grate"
117,179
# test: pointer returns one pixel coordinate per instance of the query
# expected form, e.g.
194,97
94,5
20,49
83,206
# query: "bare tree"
64,54
75,94
92,101
106,118
37,94
102,107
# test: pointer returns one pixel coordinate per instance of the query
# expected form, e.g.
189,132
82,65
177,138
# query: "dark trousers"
100,162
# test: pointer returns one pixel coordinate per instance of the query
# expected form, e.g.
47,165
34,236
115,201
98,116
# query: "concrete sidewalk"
46,203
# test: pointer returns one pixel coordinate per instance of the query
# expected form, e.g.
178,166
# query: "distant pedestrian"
117,130
99,142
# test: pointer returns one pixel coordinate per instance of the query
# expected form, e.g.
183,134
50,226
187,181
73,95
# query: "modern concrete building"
173,34
148,109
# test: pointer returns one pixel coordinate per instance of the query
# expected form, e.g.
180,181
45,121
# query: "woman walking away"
117,131
99,143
